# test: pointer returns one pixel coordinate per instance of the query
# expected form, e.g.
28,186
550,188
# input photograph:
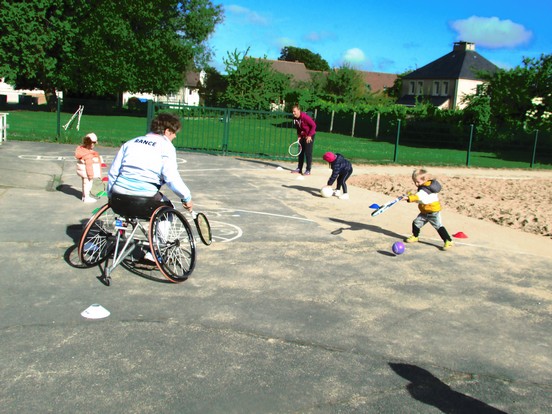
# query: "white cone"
95,311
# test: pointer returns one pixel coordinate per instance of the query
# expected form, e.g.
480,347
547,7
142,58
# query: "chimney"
463,46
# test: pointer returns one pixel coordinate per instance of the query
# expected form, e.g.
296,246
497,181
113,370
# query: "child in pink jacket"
88,165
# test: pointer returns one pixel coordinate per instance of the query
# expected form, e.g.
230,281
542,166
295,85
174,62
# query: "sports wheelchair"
129,228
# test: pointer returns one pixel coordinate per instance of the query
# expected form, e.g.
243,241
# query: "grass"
258,136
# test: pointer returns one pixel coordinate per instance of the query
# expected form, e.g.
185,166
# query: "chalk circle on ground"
95,311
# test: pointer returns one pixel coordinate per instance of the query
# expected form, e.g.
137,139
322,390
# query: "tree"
252,82
312,61
396,90
214,88
346,84
104,47
521,97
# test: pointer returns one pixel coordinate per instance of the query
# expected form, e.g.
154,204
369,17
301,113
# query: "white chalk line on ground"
275,215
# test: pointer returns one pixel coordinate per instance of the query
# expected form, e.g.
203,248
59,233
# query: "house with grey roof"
445,82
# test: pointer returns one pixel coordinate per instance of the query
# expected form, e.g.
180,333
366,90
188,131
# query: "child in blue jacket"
341,170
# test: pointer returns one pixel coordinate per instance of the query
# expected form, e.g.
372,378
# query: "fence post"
469,146
149,115
226,132
396,154
377,125
331,122
58,127
534,148
3,127
354,123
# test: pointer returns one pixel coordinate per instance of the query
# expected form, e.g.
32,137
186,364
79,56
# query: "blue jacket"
340,165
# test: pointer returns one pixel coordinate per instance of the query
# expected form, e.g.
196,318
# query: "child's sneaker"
296,171
447,245
307,172
337,193
344,196
89,200
412,239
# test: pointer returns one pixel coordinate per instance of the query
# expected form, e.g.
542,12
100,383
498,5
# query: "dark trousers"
342,180
306,152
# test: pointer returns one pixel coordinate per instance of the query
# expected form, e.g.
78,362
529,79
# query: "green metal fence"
259,134
231,131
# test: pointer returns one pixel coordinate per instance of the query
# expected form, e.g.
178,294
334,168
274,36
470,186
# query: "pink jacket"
86,159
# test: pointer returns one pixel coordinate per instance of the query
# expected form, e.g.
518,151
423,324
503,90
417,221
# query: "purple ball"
398,247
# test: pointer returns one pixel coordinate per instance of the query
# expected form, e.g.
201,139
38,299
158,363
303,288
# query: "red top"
306,127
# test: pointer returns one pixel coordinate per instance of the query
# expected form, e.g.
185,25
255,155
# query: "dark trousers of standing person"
342,180
306,152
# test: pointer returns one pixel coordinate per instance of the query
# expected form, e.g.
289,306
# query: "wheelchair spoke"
172,244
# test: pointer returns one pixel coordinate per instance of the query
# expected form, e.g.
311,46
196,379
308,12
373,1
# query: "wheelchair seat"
134,206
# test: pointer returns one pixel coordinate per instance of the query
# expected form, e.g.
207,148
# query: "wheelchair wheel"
97,240
172,244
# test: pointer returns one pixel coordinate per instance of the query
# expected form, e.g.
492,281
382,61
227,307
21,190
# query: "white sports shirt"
143,165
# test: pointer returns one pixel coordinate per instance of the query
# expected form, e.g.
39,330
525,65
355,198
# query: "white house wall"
465,87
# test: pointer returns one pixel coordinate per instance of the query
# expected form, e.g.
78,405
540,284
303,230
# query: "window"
420,87
445,90
436,88
412,89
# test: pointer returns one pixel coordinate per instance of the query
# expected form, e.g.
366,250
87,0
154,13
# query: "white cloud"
491,32
354,56
249,15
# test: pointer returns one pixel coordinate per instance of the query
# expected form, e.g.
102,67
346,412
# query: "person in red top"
306,129
88,161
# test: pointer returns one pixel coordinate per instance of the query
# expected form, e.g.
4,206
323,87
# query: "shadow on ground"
429,390
310,190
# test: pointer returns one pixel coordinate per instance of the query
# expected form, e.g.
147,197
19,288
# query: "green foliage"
253,83
104,47
345,85
521,97
214,87
478,113
312,61
396,90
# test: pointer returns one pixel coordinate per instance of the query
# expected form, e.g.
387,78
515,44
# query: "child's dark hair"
89,139
165,121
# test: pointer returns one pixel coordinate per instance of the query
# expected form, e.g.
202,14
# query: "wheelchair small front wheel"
172,244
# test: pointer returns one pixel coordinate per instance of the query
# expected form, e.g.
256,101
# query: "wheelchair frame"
125,240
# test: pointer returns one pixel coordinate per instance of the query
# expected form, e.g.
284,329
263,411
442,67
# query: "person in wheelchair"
141,167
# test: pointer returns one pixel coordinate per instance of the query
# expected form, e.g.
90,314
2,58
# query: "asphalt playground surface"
299,305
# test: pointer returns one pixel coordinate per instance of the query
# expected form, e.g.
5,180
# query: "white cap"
92,137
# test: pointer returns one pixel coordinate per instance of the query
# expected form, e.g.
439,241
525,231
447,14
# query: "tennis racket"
295,148
203,228
386,206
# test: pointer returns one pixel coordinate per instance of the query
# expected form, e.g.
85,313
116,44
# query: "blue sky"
389,36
